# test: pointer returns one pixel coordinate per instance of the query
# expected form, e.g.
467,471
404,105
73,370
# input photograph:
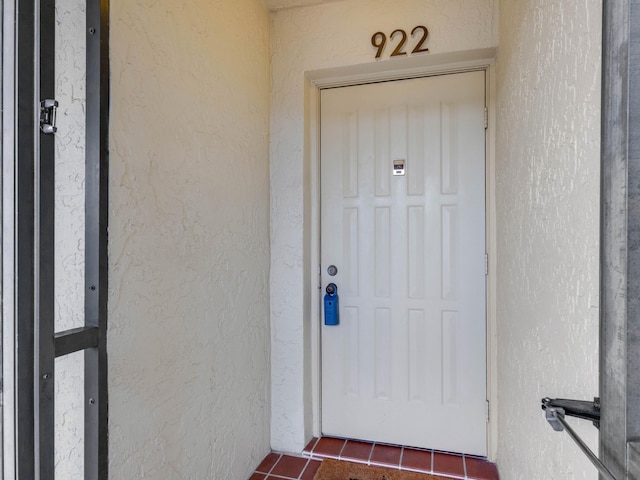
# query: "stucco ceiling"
280,4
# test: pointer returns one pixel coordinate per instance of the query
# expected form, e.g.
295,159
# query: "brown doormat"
342,470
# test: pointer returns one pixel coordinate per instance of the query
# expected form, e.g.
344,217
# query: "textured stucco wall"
547,229
188,239
69,232
280,4
313,38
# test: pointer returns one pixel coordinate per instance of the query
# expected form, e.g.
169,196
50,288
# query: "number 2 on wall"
379,40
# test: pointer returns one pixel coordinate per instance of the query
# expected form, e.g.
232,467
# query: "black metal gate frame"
36,343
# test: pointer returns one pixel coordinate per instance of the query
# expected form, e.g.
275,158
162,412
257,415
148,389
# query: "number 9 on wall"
379,40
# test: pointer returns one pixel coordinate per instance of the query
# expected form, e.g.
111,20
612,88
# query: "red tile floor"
289,467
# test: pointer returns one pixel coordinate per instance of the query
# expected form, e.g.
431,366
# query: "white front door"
403,221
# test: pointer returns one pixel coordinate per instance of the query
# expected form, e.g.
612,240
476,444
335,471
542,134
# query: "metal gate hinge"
48,109
486,118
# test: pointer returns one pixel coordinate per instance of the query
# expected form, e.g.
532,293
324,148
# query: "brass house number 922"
379,40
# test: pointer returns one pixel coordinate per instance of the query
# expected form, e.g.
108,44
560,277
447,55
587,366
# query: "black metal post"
96,211
25,236
45,250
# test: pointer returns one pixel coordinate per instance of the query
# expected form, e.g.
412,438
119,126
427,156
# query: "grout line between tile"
401,455
373,446
464,465
317,441
354,460
279,476
385,465
433,455
323,456
304,468
342,449
314,446
274,464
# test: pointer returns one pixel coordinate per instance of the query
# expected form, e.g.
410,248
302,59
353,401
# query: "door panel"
407,363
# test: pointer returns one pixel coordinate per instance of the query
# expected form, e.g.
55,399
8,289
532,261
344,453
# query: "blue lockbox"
331,308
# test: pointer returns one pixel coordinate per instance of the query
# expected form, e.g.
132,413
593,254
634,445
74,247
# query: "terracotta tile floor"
304,467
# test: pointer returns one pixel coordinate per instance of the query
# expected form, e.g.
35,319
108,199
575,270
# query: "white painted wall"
188,330
313,38
547,223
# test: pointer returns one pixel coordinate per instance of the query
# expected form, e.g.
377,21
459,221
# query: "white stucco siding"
70,32
547,165
188,337
313,38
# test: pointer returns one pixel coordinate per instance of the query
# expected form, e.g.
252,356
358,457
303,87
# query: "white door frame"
400,69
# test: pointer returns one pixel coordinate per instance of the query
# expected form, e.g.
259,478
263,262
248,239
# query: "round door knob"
332,270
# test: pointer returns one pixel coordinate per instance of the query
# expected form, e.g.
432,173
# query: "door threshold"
452,465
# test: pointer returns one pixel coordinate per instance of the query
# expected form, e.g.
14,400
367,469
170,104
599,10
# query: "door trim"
399,69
